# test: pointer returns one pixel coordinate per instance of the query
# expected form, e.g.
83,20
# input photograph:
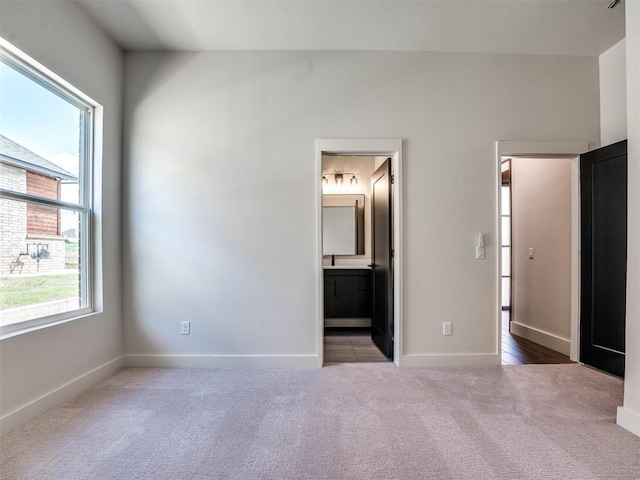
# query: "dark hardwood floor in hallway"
520,351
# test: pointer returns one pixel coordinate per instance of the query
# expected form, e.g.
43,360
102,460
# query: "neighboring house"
32,241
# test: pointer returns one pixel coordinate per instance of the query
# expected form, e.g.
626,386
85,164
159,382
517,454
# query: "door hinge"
392,253
392,179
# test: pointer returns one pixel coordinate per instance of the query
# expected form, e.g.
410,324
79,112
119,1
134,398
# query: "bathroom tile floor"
350,345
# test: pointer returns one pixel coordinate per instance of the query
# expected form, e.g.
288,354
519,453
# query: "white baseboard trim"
210,361
546,339
629,420
31,410
449,360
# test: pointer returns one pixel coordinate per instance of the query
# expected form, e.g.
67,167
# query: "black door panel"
382,273
603,189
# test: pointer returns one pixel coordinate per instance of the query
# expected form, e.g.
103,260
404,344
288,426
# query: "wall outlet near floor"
446,328
185,328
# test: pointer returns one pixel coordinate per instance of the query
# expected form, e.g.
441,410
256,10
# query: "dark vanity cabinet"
347,293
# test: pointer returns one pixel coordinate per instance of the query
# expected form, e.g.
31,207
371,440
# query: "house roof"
13,153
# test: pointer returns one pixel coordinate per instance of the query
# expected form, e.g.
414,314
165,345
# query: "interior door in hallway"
381,259
603,189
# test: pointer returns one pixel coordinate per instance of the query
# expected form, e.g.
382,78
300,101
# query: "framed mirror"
343,225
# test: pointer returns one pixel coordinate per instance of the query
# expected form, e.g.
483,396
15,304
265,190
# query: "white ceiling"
564,27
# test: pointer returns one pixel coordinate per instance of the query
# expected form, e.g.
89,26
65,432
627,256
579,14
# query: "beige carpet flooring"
351,421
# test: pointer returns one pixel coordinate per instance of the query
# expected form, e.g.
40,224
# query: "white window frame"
36,72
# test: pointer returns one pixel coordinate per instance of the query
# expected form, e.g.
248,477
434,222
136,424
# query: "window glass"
506,200
506,231
506,261
506,292
45,132
44,277
41,133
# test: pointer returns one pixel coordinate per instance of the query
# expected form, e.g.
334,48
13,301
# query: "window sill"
28,326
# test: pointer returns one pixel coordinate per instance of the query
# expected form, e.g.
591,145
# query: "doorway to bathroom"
358,259
355,213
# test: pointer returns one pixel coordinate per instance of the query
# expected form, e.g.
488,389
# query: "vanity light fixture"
338,178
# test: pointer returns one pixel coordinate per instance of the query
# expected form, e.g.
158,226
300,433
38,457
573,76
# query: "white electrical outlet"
446,328
185,328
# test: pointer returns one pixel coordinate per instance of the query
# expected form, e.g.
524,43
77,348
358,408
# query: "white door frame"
370,147
571,150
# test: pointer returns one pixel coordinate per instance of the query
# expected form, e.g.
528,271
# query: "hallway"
520,351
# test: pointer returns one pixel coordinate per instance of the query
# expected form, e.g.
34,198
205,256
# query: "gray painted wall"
221,196
613,94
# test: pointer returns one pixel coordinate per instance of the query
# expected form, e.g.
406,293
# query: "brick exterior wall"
13,231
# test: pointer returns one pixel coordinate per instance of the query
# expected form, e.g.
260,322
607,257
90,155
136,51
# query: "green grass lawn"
71,251
21,291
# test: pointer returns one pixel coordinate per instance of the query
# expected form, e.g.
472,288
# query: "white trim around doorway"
571,150
370,147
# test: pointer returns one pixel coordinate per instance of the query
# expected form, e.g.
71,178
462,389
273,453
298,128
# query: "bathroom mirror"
343,224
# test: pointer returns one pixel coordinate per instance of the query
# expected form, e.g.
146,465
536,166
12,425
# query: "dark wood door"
381,260
603,199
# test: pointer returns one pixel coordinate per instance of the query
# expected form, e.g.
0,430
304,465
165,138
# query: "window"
46,130
505,212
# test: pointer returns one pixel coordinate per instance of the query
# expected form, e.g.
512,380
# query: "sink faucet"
333,260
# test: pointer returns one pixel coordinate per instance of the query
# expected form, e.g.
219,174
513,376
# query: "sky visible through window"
44,123
38,119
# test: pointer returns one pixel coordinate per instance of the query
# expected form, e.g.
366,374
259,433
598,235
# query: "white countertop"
346,267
